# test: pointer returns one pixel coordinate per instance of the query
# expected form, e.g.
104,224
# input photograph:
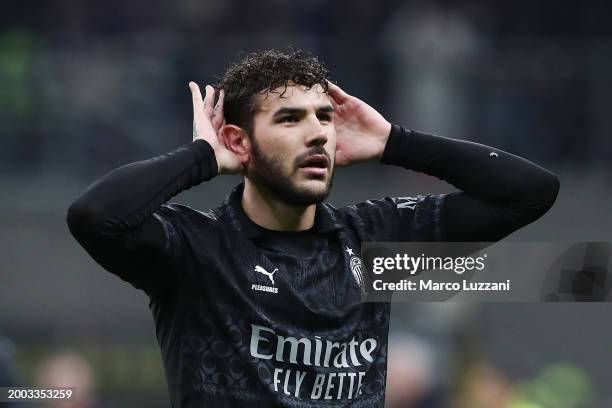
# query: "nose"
317,135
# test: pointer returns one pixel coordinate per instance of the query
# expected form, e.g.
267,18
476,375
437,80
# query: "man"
254,302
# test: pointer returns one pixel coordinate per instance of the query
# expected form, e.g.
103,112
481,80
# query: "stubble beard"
267,173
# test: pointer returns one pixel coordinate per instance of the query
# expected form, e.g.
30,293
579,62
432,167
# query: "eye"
289,119
325,117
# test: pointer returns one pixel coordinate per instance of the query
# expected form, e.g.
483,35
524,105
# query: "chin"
310,192
295,191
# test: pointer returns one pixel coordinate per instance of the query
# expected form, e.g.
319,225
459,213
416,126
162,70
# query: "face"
293,145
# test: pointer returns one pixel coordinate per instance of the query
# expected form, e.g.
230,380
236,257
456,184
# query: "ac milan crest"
357,269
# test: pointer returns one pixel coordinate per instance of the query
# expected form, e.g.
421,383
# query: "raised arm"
500,193
117,219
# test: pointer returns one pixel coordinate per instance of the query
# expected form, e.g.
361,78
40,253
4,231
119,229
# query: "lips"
315,166
319,161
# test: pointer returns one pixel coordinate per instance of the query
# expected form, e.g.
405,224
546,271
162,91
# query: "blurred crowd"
87,86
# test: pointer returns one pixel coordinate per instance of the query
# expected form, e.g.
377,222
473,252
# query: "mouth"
316,165
319,161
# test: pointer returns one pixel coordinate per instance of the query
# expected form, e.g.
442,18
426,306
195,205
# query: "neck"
269,212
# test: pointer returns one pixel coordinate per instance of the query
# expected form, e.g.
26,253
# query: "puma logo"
268,274
406,202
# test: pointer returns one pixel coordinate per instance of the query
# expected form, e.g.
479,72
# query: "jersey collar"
325,218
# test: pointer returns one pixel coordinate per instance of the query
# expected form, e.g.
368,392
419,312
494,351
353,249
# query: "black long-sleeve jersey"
248,317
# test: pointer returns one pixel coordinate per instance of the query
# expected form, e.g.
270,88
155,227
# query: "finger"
196,97
338,108
337,93
217,116
209,99
219,105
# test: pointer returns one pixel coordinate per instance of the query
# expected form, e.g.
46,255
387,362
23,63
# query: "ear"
236,140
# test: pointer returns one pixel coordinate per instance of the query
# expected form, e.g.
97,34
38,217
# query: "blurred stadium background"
88,86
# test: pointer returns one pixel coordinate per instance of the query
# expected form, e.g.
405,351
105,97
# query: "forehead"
295,96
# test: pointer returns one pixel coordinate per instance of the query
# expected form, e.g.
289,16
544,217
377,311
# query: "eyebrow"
298,111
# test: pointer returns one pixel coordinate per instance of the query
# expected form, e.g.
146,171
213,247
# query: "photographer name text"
431,285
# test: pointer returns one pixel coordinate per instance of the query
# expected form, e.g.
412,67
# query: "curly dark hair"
262,72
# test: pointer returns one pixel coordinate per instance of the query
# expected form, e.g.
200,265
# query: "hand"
361,132
207,121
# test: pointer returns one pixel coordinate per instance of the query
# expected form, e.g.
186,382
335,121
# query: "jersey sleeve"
123,224
499,192
415,218
145,257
